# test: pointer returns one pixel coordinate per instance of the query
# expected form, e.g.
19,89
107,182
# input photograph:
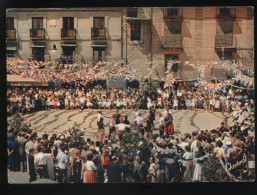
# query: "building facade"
198,34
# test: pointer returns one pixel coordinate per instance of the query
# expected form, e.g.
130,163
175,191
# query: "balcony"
172,42
11,34
226,41
68,34
98,33
37,33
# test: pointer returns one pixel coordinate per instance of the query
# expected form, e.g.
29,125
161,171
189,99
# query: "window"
135,30
174,27
99,54
132,12
172,12
68,23
225,11
98,22
67,52
10,53
250,13
227,55
10,24
174,66
38,53
37,23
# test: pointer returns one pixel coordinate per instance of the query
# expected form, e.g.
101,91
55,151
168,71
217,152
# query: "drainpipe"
121,42
126,39
151,40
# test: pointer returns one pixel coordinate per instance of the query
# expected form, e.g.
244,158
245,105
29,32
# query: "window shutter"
95,56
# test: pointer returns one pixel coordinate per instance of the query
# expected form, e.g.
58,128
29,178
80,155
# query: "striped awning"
38,44
99,44
69,44
11,45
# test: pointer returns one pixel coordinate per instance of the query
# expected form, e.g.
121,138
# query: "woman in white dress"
152,170
89,103
193,104
175,103
159,102
66,102
149,102
198,165
217,105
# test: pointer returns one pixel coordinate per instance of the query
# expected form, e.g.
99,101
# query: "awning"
69,44
11,45
38,44
138,19
99,44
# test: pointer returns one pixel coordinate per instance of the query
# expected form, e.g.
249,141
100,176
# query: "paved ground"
59,121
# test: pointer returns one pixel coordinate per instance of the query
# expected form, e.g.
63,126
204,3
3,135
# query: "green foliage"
18,123
213,171
76,136
133,143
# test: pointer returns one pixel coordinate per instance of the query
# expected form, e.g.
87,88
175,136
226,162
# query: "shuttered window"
173,28
98,22
172,12
225,11
224,34
37,23
227,55
135,30
10,23
68,22
99,54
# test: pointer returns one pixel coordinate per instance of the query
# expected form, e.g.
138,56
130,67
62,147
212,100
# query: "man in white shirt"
183,143
112,128
63,161
121,128
139,123
40,161
99,116
82,102
135,114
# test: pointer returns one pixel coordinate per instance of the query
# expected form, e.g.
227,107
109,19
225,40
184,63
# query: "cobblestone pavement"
59,121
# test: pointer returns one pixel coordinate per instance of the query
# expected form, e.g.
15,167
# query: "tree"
76,136
19,123
213,171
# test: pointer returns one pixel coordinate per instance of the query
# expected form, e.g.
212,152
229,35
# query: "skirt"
170,129
197,172
89,177
101,135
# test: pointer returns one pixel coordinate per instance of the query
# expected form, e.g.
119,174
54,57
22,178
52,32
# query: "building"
198,34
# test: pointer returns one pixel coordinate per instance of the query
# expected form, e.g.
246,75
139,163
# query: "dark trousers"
33,176
62,176
111,130
161,131
23,161
42,170
12,162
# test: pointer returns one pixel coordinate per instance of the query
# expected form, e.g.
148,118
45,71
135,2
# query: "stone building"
198,34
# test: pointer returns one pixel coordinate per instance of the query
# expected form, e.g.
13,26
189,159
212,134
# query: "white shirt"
139,120
113,122
89,165
162,121
165,113
40,158
121,127
135,114
183,145
62,160
98,117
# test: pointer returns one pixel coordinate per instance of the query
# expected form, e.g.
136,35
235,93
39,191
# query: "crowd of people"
169,157
27,100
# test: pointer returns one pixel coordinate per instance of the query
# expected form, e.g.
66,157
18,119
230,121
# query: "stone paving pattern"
59,121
